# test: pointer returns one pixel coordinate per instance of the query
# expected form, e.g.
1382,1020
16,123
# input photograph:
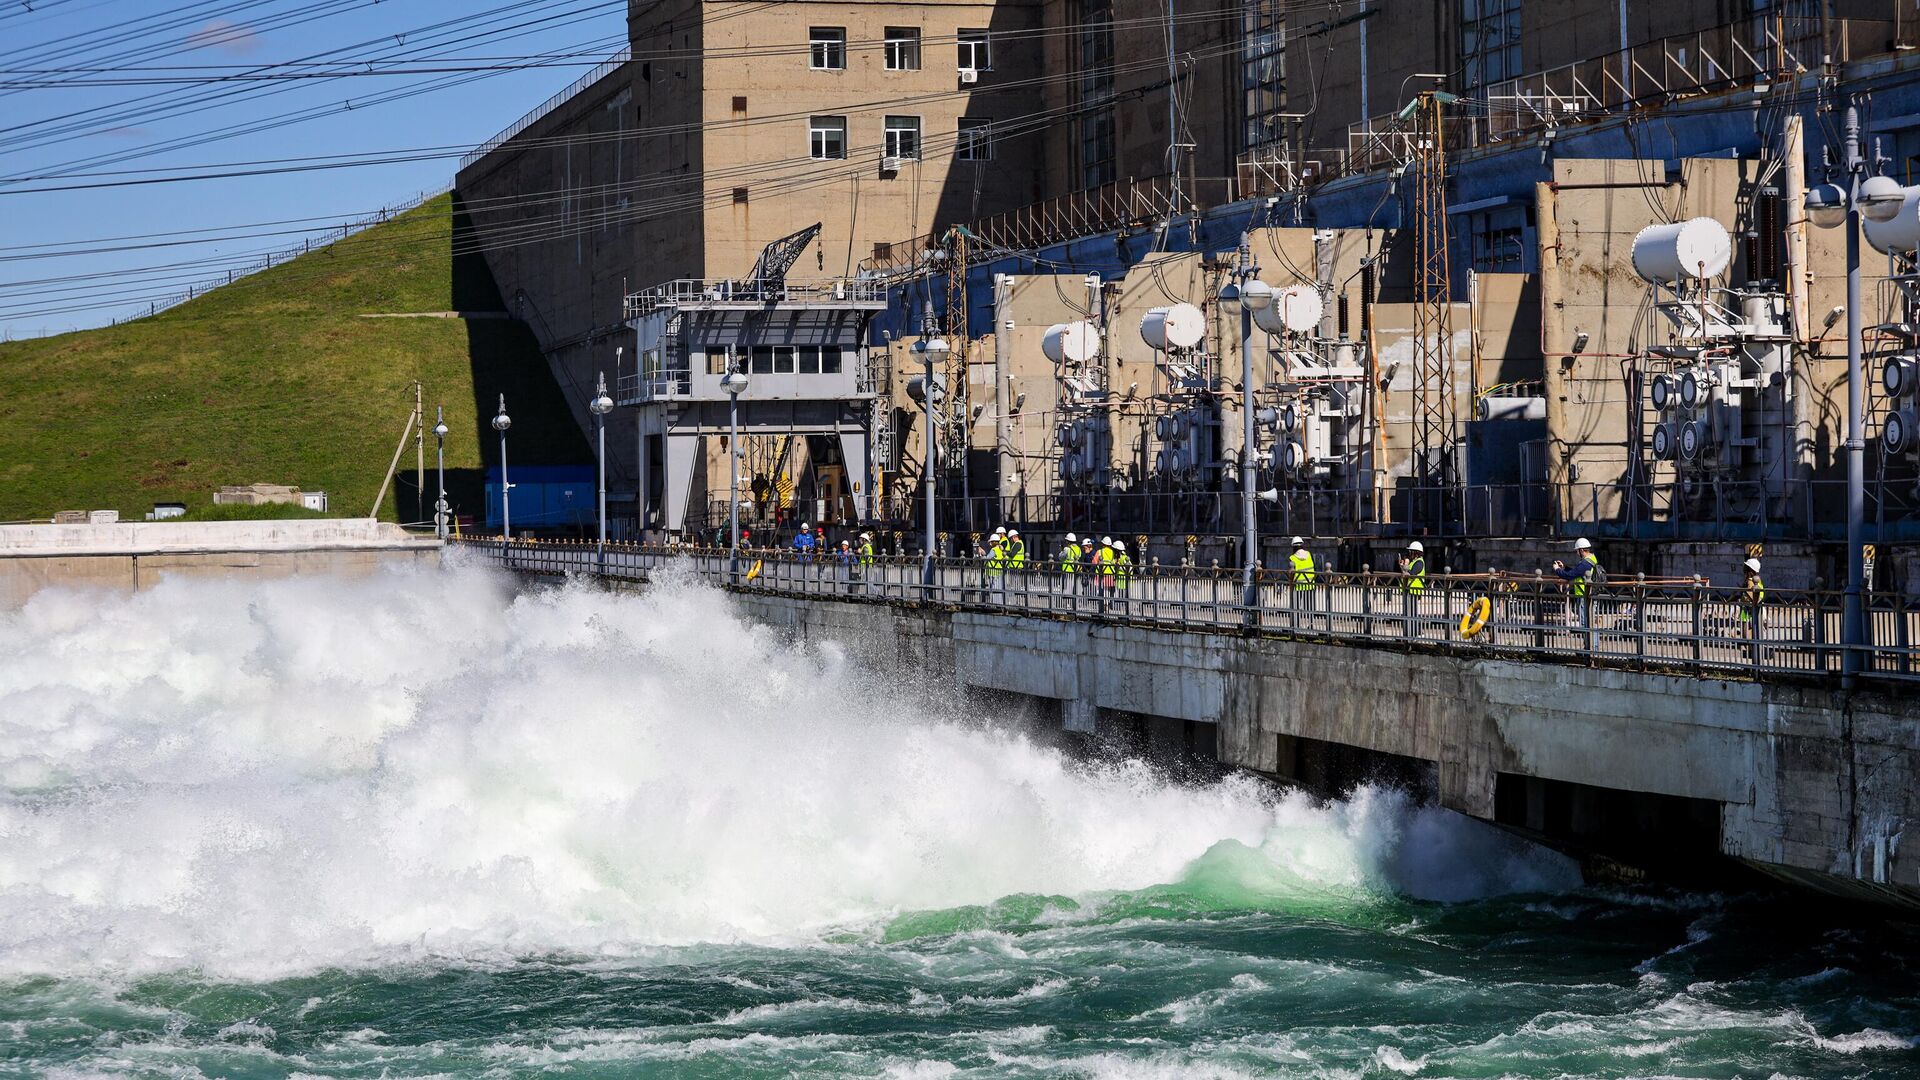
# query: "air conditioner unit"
969,76
889,166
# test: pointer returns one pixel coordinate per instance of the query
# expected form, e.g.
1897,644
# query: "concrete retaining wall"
1809,784
136,555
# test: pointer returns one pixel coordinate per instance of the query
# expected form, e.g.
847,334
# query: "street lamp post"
1863,195
1253,295
931,347
601,405
440,467
735,383
501,422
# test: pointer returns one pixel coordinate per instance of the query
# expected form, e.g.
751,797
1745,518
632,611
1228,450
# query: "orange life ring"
1475,620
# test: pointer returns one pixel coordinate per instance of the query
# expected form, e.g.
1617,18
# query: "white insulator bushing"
1181,326
1696,248
1296,309
1074,342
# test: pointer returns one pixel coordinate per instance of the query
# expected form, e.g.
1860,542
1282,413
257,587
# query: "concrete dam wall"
1808,784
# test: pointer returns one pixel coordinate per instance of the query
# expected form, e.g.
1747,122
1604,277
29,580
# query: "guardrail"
1677,626
690,292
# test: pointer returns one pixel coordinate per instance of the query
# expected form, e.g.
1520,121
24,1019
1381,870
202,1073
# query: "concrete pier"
129,556
1808,784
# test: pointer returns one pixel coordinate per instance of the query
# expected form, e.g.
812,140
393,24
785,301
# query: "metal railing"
595,74
689,292
1681,626
1127,203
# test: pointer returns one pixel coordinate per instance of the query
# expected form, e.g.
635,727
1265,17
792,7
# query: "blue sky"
197,39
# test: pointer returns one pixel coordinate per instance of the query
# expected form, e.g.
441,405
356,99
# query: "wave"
256,778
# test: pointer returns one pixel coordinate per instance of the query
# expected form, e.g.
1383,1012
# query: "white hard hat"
804,526
866,536
1582,544
999,531
1753,565
1107,540
1416,546
1299,542
1013,532
1119,545
1071,539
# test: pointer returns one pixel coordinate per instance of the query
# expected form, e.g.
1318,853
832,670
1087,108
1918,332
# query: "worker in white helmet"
1413,568
803,542
1581,577
1070,554
1122,566
1753,595
1103,561
1301,565
996,564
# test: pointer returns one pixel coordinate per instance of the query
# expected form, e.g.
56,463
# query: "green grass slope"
278,378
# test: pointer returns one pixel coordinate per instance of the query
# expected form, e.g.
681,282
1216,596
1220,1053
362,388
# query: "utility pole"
419,454
734,382
1864,195
1253,295
501,422
931,347
440,464
601,405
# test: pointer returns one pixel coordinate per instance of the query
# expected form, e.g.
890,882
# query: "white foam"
256,778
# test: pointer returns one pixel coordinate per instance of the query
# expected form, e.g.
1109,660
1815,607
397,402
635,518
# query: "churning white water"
262,777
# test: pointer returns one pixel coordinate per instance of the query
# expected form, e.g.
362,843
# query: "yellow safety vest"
1581,585
1018,559
1301,561
1417,574
866,553
1103,561
1122,563
1070,559
996,558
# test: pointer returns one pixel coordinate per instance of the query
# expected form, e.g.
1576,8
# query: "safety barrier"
1677,626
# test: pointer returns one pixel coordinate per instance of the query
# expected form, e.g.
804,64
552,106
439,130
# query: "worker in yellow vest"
996,563
1103,560
1122,566
1070,561
1414,566
1301,563
1752,596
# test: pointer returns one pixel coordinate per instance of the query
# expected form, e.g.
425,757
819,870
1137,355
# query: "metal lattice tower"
961,412
1436,397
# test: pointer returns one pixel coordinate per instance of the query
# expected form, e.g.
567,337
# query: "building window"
716,361
1263,72
1489,41
976,139
903,137
827,135
818,359
829,51
976,54
903,48
1094,91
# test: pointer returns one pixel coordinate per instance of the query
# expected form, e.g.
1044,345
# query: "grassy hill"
278,378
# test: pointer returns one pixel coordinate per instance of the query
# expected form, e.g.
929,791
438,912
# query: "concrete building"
726,125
